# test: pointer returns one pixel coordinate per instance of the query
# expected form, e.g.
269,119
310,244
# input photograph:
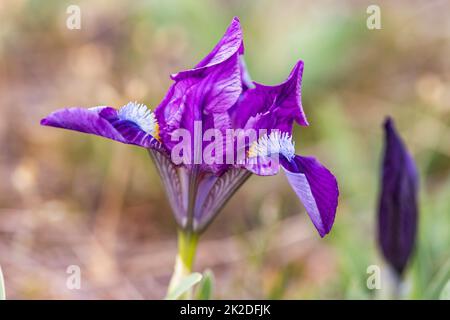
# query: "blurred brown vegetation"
72,199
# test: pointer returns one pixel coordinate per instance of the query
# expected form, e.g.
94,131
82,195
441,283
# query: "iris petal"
101,121
271,107
130,130
316,187
173,184
203,94
211,192
214,192
230,44
83,120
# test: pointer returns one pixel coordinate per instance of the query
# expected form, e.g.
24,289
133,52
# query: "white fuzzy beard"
275,143
140,115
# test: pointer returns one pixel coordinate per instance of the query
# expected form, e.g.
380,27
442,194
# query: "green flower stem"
187,246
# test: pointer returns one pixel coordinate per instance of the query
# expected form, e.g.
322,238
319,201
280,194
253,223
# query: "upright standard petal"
131,124
397,211
204,94
230,44
316,187
271,107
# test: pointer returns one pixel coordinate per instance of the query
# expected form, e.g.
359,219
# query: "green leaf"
206,286
2,286
445,293
184,286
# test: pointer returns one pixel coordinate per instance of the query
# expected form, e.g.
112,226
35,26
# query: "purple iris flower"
217,94
397,213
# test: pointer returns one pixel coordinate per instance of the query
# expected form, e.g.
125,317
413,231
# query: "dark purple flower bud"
397,212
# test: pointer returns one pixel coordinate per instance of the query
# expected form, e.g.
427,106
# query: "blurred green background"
72,199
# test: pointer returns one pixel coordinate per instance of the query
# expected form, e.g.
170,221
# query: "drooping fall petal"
317,189
131,124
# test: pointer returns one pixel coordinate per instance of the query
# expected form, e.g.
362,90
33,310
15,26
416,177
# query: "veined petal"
123,125
135,123
210,194
83,120
316,187
174,185
230,44
245,75
313,183
211,88
214,192
271,107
